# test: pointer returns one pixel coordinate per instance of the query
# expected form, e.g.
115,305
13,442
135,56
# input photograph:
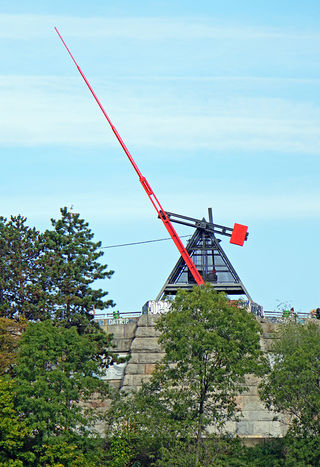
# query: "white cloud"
150,28
244,207
56,110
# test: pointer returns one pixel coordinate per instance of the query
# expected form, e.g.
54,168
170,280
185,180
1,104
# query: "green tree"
142,427
21,291
14,432
210,346
10,334
72,266
293,387
56,375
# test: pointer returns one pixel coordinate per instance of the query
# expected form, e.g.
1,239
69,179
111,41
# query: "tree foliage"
210,346
14,431
17,440
141,428
293,387
21,289
57,362
10,334
57,372
72,266
51,275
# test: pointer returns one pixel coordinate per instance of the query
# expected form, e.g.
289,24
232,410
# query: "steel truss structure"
209,258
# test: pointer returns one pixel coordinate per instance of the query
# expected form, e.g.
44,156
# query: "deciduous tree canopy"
210,346
10,334
293,386
14,431
56,373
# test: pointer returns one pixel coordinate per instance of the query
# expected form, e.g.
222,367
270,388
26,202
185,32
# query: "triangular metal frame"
212,263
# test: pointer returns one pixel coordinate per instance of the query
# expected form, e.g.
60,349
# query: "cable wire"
140,243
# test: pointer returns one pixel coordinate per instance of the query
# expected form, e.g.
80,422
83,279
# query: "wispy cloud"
150,28
267,80
55,110
259,205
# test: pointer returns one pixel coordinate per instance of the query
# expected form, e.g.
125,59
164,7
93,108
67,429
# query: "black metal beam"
201,224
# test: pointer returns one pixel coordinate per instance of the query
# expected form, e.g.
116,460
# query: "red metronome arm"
154,200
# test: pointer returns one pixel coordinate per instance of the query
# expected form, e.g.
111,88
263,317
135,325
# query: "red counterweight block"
239,234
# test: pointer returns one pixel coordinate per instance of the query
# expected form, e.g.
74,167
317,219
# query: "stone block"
145,344
239,401
283,426
147,331
134,380
149,368
252,402
122,345
130,330
115,383
117,330
146,357
244,428
135,369
148,320
267,429
153,319
129,389
143,320
258,415
230,427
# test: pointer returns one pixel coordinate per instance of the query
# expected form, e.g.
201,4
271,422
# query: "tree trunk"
199,432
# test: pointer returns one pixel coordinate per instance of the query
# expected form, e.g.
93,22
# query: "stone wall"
123,337
145,353
140,340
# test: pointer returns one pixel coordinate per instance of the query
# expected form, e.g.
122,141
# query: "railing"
122,314
110,319
277,316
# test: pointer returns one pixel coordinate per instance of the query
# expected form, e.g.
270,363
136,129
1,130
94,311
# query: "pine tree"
72,265
21,292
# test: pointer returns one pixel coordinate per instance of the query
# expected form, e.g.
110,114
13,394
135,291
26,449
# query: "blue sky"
218,102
